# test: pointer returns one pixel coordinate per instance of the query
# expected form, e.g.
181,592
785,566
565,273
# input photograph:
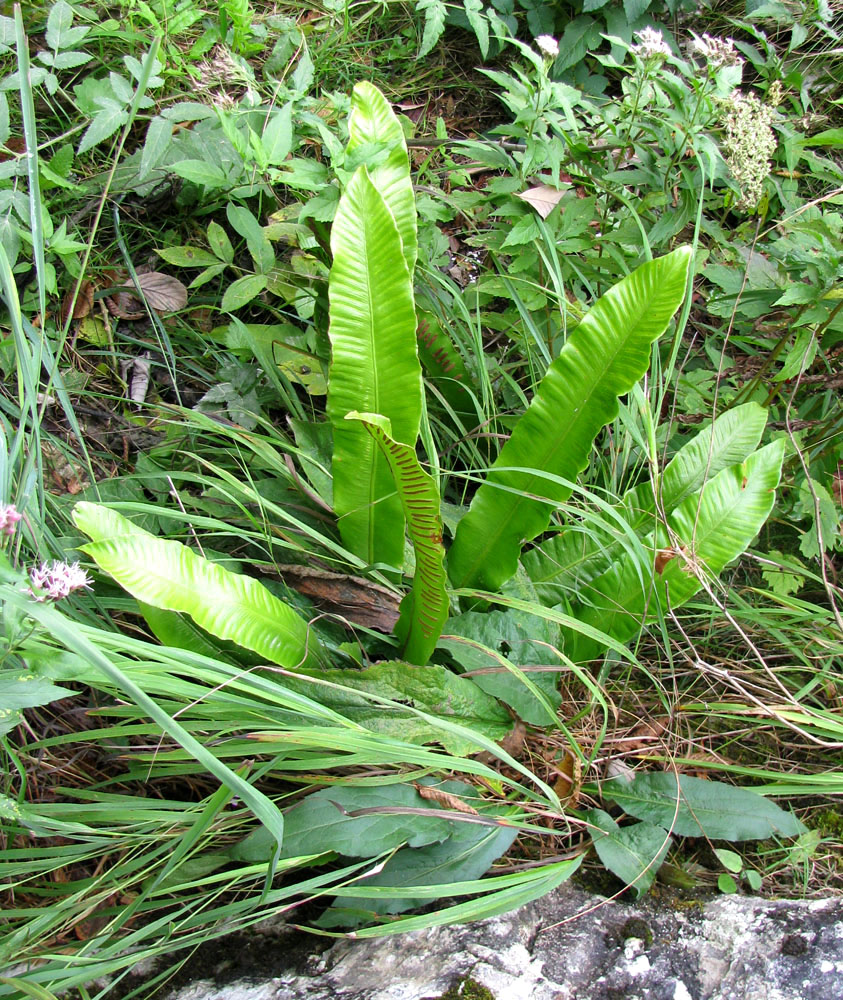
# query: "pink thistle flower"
9,517
57,581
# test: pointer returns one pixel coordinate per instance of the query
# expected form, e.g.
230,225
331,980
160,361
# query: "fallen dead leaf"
543,198
83,304
163,292
567,785
445,799
664,556
362,602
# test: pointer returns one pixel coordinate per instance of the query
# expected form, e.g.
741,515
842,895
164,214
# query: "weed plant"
211,720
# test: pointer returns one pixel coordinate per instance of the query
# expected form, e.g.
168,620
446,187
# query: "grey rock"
572,946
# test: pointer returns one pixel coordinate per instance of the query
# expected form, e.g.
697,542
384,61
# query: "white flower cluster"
749,145
548,46
57,580
717,51
651,44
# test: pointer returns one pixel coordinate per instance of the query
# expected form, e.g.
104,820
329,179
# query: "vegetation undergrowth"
418,484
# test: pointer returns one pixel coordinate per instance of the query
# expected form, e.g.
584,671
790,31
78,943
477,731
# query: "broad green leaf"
706,532
199,172
372,121
168,575
374,368
634,853
466,855
241,292
477,640
425,608
321,823
604,357
705,808
434,690
565,562
260,249
187,256
277,137
173,629
19,689
219,242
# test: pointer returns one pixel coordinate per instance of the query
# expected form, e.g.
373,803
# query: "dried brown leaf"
567,785
124,305
543,198
445,799
83,304
362,602
163,292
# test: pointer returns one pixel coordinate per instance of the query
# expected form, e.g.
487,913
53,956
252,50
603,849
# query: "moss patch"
467,989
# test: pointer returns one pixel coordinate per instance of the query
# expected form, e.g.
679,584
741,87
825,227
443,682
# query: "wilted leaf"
445,799
83,304
361,601
187,256
163,292
94,331
543,198
124,305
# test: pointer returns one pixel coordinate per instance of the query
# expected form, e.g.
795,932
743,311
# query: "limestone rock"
567,946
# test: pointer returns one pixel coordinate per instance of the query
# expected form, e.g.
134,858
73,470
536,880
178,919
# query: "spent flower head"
548,46
9,517
57,580
717,51
651,45
749,144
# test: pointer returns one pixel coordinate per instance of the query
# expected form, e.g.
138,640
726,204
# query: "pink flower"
9,517
57,581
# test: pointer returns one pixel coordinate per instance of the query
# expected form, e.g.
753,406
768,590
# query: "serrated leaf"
704,808
104,124
634,853
479,24
159,134
187,256
59,20
434,24
320,823
69,60
239,293
543,198
163,292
